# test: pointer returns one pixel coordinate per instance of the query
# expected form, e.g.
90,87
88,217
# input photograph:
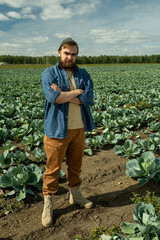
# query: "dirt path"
104,182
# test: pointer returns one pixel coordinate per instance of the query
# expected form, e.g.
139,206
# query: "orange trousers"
73,147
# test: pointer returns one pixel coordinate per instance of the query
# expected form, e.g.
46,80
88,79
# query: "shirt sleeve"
87,97
48,79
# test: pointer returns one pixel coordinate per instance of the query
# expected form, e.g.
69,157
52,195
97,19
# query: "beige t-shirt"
74,113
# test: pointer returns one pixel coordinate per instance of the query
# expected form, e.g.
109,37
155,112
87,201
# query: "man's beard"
68,65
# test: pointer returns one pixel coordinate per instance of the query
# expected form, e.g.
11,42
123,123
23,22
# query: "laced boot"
47,211
75,197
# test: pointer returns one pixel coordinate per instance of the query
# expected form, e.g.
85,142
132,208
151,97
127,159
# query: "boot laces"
48,206
79,194
79,197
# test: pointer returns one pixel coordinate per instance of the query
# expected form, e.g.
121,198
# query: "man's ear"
59,53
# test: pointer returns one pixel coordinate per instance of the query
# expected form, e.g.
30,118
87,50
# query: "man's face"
68,56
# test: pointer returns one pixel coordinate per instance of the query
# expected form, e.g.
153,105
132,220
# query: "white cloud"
50,53
23,14
130,50
10,45
38,39
59,11
56,11
3,17
17,3
17,45
10,48
14,15
51,9
122,35
35,3
30,16
132,7
27,13
85,7
143,50
22,42
26,10
3,34
62,35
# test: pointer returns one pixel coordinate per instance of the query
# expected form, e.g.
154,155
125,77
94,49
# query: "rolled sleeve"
87,97
47,81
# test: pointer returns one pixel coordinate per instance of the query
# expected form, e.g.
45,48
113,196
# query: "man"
68,91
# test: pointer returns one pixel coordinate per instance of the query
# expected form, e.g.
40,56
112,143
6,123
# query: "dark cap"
68,40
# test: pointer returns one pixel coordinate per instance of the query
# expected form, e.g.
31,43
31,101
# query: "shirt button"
66,116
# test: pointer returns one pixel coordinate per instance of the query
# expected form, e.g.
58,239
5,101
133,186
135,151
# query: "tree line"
102,59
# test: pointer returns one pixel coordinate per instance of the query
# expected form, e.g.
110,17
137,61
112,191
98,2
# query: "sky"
100,27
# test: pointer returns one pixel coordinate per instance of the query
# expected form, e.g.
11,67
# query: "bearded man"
68,93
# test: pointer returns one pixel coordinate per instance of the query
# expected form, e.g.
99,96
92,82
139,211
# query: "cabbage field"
126,107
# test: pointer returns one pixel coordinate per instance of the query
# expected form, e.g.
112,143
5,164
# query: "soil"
104,182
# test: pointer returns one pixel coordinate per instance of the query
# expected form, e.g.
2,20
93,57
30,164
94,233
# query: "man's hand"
75,101
78,91
55,87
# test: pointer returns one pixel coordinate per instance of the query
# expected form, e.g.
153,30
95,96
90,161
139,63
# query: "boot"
75,196
47,211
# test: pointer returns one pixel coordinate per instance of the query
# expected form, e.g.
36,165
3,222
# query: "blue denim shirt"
56,115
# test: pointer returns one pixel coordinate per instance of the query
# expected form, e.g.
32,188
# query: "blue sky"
100,27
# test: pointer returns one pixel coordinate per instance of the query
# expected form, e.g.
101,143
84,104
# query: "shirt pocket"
80,83
63,86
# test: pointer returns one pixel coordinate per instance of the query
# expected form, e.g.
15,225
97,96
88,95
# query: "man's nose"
69,56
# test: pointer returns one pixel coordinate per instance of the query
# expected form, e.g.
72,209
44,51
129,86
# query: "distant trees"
28,59
102,59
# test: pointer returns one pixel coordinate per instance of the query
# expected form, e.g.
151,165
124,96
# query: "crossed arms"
70,96
77,96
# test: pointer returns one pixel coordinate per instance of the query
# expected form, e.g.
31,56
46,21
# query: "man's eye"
67,54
